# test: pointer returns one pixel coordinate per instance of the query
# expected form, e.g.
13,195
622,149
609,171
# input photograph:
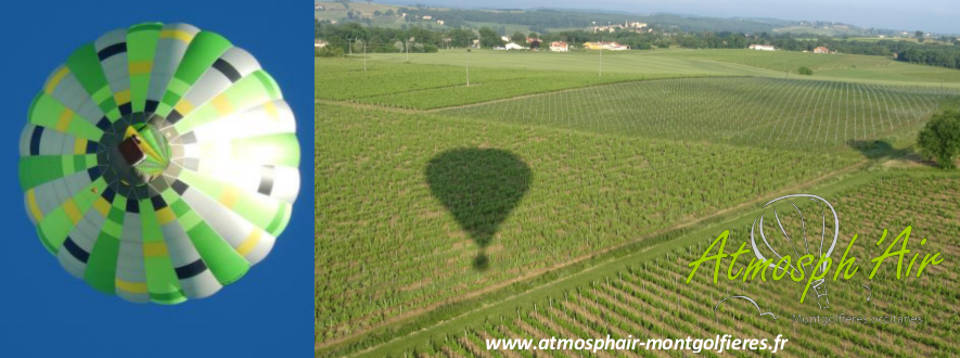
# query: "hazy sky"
941,16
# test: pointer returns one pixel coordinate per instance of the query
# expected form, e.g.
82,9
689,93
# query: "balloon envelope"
159,162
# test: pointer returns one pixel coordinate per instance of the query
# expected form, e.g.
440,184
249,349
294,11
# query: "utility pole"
364,44
601,56
408,48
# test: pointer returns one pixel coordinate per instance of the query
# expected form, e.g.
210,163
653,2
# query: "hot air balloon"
795,225
159,163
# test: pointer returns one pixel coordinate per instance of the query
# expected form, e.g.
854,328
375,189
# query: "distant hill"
548,20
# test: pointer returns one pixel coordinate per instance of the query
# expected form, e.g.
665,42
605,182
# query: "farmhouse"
759,47
319,44
559,46
427,17
821,49
440,22
513,46
603,45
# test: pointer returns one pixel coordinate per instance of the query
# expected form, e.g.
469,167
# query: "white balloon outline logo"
820,291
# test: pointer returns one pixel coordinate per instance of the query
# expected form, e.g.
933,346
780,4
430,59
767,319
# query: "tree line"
354,37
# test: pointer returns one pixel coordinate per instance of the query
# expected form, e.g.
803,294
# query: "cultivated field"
432,86
766,112
855,68
586,193
645,295
859,68
545,199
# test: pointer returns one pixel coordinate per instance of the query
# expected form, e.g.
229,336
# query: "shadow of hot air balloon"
480,187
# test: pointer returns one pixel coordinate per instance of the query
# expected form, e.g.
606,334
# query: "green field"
629,62
859,68
545,199
376,202
765,112
432,86
427,81
643,294
834,66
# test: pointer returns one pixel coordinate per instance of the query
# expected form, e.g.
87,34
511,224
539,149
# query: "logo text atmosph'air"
794,236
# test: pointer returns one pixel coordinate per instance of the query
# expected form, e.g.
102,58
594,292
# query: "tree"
519,38
489,38
461,37
940,138
804,70
328,51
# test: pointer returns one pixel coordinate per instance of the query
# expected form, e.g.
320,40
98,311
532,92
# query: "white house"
559,46
759,47
513,46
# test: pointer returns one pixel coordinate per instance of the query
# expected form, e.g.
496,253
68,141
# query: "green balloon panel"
159,163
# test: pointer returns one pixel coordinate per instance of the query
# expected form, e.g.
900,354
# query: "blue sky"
46,312
928,15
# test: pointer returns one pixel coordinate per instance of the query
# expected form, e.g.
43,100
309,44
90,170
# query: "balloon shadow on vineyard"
480,187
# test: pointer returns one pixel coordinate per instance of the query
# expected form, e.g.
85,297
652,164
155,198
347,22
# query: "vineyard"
637,63
718,62
587,193
648,298
766,112
835,66
431,86
547,200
